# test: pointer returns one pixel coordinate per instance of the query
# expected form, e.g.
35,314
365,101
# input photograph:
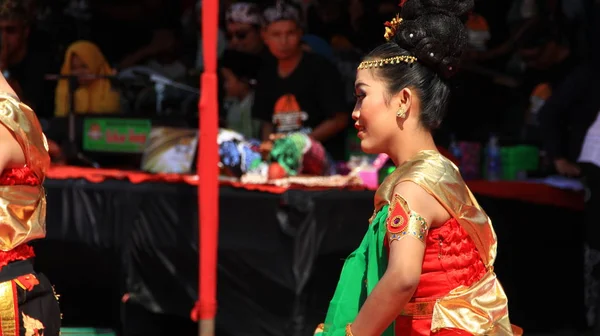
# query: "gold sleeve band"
417,228
402,221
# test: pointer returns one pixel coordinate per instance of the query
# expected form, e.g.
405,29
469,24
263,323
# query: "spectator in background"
328,19
25,70
545,53
547,60
347,25
302,91
192,23
570,128
121,28
168,60
313,43
163,42
478,31
93,94
243,22
239,71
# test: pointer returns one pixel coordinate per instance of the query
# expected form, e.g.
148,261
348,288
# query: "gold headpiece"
391,28
386,61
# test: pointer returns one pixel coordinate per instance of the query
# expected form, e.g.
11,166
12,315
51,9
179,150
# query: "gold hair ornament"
386,61
391,27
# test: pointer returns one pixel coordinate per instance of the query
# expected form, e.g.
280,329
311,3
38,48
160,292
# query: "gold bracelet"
349,329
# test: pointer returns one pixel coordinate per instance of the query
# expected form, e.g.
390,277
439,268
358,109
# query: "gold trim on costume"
320,328
8,317
20,284
418,308
31,325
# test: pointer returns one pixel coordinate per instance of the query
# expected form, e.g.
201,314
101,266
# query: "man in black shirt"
300,91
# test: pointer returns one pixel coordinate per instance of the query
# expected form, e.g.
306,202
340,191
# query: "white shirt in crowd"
590,152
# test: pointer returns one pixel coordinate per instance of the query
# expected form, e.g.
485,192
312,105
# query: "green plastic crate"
384,172
516,159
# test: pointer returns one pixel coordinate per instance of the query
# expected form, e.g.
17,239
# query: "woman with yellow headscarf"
93,95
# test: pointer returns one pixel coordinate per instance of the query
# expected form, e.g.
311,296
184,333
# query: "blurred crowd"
284,66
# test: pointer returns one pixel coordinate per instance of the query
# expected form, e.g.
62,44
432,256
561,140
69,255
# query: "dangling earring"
401,113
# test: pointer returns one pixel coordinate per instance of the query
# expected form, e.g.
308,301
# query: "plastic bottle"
493,160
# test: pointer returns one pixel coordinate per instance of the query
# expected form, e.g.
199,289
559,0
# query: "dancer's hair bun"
434,32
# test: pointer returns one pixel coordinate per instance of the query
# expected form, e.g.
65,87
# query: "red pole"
208,173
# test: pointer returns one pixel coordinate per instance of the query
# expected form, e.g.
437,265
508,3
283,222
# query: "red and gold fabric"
458,291
22,196
27,304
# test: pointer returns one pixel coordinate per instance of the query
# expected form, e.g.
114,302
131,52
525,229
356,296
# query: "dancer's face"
375,113
373,117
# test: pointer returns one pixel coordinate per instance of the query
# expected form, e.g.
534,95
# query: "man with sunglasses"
243,23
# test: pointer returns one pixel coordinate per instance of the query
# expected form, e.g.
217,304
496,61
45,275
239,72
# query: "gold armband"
403,222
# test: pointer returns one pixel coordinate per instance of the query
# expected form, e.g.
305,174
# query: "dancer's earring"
401,113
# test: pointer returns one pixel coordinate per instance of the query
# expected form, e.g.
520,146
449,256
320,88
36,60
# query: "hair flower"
391,28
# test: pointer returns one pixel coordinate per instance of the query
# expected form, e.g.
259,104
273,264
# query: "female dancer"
28,305
425,266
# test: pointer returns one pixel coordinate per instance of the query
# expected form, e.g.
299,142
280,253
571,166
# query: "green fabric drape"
362,271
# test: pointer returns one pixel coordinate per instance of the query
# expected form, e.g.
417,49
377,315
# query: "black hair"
433,31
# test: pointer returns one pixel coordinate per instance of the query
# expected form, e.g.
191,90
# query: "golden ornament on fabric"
397,222
398,215
33,327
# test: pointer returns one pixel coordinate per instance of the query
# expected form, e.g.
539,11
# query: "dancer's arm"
398,284
11,154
